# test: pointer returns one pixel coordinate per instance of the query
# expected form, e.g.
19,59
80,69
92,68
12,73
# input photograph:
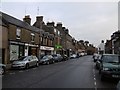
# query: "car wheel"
53,61
37,64
2,71
48,62
99,71
27,66
102,78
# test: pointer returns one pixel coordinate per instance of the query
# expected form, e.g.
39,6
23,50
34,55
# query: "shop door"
3,56
21,51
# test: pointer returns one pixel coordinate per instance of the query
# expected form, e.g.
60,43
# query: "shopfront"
31,49
16,50
46,50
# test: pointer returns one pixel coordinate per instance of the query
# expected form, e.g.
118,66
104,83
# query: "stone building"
115,38
47,36
19,38
108,47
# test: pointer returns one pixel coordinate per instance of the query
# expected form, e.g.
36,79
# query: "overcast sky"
92,21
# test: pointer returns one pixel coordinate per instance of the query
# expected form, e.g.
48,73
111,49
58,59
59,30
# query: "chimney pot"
50,23
27,19
39,18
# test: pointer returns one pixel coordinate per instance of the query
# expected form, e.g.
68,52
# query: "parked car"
82,54
47,59
57,57
65,57
2,69
98,62
95,57
110,66
118,85
25,62
73,56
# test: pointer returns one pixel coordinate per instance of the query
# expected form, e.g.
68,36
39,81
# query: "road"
74,73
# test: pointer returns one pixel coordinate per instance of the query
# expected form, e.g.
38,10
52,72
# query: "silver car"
2,68
26,62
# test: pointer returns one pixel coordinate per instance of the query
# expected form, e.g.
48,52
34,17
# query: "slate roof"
17,22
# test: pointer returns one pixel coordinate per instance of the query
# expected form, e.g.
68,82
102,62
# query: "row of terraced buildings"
20,38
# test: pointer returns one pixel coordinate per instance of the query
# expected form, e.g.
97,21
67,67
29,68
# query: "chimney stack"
39,18
67,31
50,24
27,19
59,25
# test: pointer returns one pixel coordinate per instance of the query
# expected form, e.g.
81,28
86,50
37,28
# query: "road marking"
95,83
21,71
94,78
12,73
95,88
34,68
1,76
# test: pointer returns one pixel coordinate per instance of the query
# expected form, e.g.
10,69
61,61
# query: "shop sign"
46,48
12,42
31,45
58,46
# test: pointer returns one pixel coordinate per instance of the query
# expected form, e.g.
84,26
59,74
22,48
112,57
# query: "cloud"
92,21
60,1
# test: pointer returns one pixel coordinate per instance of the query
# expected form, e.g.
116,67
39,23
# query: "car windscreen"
110,59
22,58
54,55
45,57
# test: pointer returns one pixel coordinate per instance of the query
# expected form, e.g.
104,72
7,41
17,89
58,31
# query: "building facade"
20,38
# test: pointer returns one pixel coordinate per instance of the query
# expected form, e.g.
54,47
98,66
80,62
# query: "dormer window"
32,37
18,32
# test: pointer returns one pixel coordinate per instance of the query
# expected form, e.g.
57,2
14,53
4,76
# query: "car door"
34,60
51,59
30,61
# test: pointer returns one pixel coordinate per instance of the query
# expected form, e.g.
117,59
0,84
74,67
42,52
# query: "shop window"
21,51
18,32
51,44
14,52
41,39
46,42
55,31
32,37
58,32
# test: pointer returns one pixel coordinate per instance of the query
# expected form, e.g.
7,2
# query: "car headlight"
105,69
